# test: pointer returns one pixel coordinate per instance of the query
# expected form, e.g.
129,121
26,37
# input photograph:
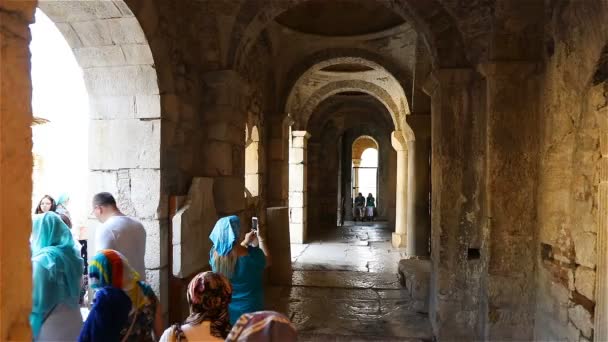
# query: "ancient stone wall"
571,210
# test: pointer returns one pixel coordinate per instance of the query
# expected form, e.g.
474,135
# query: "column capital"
302,134
445,78
356,162
400,140
508,69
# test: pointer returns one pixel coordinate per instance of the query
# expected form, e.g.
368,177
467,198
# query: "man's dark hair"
104,199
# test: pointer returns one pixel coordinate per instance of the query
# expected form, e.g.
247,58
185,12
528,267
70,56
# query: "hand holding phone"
254,224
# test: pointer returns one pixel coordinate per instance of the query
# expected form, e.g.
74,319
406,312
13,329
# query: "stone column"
601,291
400,143
451,113
418,243
297,186
411,235
356,164
15,169
512,159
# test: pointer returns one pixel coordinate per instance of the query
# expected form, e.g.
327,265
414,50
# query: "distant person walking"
119,232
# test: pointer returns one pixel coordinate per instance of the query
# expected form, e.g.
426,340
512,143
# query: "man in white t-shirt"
119,232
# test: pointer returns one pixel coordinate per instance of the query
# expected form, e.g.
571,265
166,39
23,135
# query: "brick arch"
125,113
430,19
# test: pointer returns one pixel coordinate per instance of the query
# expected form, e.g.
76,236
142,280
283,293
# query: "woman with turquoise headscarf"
243,264
57,272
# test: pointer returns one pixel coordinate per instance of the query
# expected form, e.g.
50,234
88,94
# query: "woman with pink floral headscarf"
208,296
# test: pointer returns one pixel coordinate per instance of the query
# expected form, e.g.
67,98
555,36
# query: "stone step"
415,276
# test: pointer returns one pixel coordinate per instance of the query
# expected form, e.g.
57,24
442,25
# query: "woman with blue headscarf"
243,264
57,272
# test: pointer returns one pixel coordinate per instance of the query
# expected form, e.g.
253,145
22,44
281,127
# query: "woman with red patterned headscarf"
208,296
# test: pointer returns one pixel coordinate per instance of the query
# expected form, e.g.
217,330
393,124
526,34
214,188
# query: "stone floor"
345,288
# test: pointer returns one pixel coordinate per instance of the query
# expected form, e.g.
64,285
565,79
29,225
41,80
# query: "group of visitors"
364,209
225,303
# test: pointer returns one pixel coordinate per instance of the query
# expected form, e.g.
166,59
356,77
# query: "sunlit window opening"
60,128
368,172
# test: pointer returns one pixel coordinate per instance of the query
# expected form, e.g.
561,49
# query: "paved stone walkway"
345,288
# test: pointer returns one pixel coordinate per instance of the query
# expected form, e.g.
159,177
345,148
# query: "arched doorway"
365,167
124,118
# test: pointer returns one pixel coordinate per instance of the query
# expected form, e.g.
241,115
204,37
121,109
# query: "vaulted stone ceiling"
339,18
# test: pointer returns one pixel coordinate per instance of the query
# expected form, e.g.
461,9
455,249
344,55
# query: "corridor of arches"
479,129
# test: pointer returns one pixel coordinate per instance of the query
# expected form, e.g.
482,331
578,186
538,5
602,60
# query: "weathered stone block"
145,192
62,11
297,156
121,80
415,275
297,177
100,181
156,240
124,144
147,106
277,235
126,31
192,225
229,195
136,54
111,107
217,158
584,247
101,56
93,33
585,282
224,131
69,34
297,215
581,319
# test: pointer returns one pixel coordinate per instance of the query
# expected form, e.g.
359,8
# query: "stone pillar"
601,291
411,235
223,149
15,170
512,159
297,186
400,143
356,164
450,110
419,244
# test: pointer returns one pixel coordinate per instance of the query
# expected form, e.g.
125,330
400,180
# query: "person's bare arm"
158,322
264,248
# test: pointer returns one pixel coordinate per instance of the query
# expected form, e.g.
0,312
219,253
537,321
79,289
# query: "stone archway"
312,88
125,115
